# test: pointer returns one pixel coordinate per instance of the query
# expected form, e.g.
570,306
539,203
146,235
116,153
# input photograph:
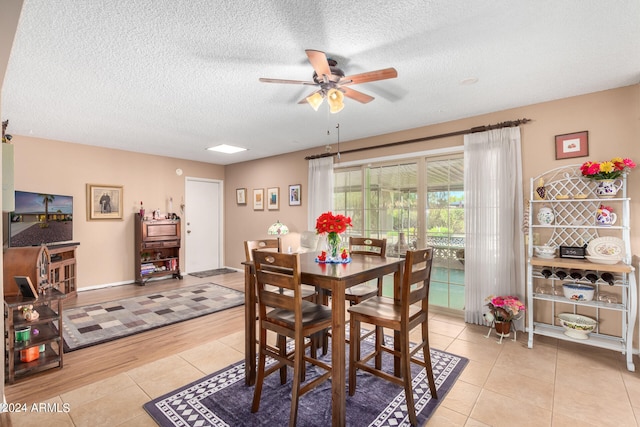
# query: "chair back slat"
367,246
279,270
273,245
417,276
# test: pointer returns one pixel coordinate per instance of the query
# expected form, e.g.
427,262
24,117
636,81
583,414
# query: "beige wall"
105,255
612,118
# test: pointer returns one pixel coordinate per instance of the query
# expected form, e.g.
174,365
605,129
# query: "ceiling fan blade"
319,62
358,96
370,76
291,82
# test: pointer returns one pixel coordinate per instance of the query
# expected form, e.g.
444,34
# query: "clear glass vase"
333,246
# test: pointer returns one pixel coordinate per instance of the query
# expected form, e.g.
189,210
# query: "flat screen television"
40,218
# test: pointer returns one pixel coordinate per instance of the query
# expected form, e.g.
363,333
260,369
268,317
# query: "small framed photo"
572,145
104,201
295,196
27,289
258,199
241,196
273,198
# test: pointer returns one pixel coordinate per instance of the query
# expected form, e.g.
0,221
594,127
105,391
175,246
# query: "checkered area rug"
222,398
209,273
95,324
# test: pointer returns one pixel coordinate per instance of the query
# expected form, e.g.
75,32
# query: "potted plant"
502,311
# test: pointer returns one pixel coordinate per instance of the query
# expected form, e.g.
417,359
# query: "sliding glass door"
444,230
385,200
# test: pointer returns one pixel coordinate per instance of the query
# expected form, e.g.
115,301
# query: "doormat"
209,273
223,399
98,323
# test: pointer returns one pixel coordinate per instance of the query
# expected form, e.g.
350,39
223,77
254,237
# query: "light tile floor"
556,383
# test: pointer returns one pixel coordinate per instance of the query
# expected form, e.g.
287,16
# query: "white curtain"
494,247
320,193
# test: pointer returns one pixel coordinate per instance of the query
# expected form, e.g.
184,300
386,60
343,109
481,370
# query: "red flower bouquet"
333,226
610,169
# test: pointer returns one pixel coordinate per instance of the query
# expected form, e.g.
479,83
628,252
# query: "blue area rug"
98,323
222,398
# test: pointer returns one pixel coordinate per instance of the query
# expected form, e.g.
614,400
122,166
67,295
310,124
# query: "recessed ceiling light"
227,149
469,81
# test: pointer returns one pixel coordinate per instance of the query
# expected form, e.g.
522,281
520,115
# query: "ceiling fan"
332,82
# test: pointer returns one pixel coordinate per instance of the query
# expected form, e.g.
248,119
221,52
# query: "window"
384,201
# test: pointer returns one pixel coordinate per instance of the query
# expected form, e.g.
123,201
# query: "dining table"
336,278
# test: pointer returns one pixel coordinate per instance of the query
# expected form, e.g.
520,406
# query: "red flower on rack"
611,169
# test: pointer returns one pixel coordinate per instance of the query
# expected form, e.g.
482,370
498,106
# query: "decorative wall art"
104,201
273,198
258,199
241,196
295,196
572,145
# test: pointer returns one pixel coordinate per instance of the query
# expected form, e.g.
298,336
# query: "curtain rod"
476,129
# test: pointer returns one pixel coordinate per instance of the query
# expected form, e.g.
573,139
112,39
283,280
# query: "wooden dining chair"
402,316
365,246
290,316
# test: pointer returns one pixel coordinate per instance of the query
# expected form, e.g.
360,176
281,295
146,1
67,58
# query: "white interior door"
203,224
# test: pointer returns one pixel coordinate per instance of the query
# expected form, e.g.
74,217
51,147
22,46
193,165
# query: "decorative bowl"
545,250
578,291
603,260
577,326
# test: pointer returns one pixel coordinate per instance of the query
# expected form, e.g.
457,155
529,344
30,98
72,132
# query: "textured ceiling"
175,77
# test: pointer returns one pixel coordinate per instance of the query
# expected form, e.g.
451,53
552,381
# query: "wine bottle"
575,274
561,274
546,273
607,277
591,276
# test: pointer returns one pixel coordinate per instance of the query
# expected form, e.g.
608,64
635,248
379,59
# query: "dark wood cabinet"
47,266
157,249
36,345
30,261
63,270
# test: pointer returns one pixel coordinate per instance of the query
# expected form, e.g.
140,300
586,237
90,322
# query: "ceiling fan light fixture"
335,98
315,100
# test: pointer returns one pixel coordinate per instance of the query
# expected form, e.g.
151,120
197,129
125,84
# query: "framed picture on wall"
241,196
572,145
273,198
104,201
258,199
295,197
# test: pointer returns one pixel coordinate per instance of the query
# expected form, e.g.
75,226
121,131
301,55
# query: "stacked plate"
605,250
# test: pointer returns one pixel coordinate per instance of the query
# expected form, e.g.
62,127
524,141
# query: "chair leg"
406,376
282,346
354,353
426,352
298,372
262,359
379,344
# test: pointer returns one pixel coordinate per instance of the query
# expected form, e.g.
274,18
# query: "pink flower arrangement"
610,169
505,308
